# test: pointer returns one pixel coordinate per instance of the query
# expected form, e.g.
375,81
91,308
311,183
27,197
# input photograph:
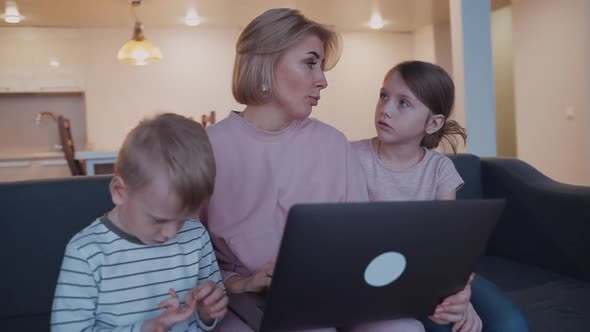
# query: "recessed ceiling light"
376,21
192,18
54,62
11,13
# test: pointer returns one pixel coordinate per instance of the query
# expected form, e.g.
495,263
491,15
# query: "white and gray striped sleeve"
208,270
76,296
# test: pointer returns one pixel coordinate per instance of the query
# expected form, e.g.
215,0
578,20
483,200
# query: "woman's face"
299,78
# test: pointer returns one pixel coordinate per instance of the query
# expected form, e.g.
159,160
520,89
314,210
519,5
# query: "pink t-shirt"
261,174
432,178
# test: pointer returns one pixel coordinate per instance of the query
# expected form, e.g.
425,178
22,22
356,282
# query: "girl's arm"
449,197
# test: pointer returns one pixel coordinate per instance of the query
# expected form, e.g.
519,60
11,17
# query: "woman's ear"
119,190
434,123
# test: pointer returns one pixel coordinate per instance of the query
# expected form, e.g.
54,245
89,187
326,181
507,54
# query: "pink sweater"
261,174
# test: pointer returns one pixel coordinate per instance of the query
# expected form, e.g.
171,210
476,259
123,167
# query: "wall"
424,44
195,76
432,43
349,101
504,81
443,46
551,76
18,113
473,73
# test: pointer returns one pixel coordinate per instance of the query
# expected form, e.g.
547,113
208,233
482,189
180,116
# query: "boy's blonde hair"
177,144
262,43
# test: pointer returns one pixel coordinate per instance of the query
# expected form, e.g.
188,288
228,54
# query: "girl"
412,118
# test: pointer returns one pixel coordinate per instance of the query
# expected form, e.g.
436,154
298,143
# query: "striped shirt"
111,281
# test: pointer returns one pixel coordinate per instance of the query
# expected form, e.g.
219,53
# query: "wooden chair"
67,143
208,120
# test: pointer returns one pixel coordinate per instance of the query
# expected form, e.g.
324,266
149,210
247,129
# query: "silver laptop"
349,263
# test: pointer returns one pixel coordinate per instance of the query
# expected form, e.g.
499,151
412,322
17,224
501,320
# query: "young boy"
129,269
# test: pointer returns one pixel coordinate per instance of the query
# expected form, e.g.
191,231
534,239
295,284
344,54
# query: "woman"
272,156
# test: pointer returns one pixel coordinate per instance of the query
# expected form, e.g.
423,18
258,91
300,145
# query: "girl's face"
400,117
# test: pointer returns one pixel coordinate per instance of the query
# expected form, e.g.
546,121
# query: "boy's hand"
174,314
210,301
453,309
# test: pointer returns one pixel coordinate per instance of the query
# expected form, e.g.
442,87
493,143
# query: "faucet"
40,116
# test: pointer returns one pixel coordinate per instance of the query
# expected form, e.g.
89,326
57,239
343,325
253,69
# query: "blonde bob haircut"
262,43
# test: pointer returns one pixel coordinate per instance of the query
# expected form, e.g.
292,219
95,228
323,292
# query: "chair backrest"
208,120
67,142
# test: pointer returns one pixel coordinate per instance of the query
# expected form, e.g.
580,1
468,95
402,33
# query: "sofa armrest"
546,223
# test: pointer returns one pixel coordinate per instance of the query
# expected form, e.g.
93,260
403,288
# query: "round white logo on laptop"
385,269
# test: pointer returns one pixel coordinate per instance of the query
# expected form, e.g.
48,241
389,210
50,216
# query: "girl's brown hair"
434,88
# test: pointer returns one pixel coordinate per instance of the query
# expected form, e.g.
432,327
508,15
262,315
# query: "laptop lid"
348,263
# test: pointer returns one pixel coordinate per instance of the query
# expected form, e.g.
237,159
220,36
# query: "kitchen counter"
8,156
85,155
81,155
35,164
95,160
23,165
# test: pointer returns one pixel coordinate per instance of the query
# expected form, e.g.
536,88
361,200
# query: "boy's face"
151,213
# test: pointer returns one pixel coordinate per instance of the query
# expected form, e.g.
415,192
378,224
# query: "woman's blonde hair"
264,40
177,144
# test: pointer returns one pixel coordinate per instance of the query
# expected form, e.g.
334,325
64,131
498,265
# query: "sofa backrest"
37,219
469,167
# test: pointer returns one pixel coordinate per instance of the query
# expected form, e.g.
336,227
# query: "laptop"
348,263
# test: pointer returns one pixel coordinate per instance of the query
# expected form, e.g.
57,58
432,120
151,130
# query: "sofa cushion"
469,167
549,301
36,323
37,220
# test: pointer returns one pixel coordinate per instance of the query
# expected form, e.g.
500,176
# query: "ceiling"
403,15
346,15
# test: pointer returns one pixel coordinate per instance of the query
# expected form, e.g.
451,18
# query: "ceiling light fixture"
138,51
376,21
11,13
192,18
54,62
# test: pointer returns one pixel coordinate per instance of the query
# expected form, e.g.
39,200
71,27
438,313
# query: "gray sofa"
538,253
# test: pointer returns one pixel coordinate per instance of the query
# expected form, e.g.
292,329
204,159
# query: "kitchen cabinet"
41,60
33,166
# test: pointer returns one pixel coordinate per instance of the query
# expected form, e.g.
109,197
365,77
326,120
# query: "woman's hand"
255,283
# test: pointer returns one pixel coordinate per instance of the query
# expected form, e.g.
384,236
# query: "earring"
264,88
